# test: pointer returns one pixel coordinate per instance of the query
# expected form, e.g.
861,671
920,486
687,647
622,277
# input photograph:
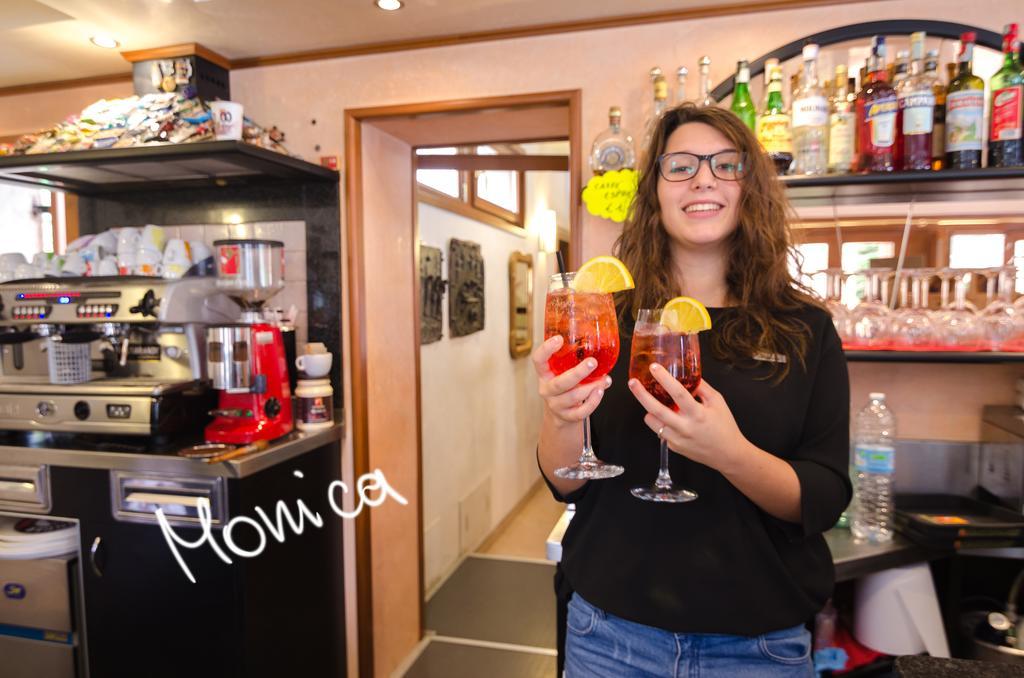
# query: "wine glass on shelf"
960,329
869,320
679,354
912,325
834,279
1003,322
589,329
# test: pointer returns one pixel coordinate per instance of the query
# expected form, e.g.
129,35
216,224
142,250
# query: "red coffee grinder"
246,360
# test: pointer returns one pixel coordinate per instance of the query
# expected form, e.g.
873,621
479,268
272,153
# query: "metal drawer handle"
93,550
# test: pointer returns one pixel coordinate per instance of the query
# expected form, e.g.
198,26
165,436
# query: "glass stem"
664,481
587,456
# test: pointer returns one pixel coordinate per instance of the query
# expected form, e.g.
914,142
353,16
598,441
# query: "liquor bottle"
810,119
1005,147
965,108
901,68
705,82
876,115
769,66
898,71
931,72
773,126
681,84
851,97
916,111
613,148
842,125
659,106
742,104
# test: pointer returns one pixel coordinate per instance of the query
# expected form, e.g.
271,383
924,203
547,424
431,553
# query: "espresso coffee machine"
246,359
107,355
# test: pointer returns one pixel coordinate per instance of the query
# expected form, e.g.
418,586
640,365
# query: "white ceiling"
47,40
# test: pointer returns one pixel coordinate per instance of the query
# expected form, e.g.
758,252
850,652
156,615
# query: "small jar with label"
314,404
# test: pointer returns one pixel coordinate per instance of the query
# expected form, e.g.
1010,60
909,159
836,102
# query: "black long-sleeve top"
718,564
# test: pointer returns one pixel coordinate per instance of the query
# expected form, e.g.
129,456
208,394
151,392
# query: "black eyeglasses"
683,166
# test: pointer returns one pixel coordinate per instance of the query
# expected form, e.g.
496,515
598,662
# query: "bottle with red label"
1005,146
965,110
876,115
916,111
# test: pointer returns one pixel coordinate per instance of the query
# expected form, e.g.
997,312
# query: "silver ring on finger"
661,433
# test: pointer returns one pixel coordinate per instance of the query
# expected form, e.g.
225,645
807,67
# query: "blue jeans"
601,645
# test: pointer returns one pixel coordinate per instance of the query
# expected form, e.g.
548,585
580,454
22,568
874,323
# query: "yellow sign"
609,195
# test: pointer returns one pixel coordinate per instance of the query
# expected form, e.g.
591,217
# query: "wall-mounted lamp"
547,231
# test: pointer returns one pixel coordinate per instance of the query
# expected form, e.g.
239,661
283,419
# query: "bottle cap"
876,396
705,61
655,72
683,71
742,71
968,36
810,51
614,112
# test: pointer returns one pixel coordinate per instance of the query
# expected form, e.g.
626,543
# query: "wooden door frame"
354,227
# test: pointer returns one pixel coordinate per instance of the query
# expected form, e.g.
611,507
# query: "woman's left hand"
703,431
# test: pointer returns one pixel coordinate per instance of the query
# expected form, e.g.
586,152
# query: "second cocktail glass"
589,329
679,354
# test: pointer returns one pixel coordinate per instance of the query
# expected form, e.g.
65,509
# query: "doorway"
384,333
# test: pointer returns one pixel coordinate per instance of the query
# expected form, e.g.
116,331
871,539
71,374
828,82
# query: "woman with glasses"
722,585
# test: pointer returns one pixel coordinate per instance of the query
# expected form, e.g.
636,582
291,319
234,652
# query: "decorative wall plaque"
466,277
432,294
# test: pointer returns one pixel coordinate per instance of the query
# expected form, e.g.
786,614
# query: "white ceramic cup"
227,119
153,238
105,241
173,271
75,264
177,252
199,251
128,240
314,364
126,262
148,262
10,261
24,271
108,266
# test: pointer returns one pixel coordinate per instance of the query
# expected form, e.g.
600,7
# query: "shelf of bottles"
902,125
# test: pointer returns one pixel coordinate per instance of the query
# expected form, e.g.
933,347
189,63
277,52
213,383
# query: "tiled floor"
495,615
524,534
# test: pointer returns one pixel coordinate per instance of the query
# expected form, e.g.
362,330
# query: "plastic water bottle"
874,440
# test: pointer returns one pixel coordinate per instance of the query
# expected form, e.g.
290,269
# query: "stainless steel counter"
280,450
854,560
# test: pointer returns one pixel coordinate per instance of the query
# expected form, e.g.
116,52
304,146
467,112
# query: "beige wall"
23,113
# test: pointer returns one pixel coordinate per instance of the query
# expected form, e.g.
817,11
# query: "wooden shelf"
934,357
990,183
144,168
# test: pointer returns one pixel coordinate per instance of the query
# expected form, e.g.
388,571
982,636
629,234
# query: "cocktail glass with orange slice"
580,308
668,336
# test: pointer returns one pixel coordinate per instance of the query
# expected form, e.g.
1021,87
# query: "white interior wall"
480,408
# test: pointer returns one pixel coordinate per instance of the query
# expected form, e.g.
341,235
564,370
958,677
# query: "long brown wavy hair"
765,294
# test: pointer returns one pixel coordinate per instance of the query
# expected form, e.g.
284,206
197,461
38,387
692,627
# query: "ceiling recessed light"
104,41
389,5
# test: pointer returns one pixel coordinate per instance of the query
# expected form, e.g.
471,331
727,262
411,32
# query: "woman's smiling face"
703,211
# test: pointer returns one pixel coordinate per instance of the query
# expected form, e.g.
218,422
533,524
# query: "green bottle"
742,104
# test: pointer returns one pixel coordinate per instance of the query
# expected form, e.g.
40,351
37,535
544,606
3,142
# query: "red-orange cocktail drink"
678,353
586,321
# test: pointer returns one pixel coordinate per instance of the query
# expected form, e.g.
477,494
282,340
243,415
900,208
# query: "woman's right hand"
565,399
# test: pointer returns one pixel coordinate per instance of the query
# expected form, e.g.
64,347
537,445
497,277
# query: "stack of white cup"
314,395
